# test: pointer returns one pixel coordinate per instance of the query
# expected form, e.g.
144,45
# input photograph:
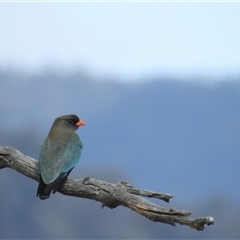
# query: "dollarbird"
59,154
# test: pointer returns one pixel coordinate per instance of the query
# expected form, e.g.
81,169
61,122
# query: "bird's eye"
70,121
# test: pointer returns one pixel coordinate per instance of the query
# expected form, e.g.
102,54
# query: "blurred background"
158,85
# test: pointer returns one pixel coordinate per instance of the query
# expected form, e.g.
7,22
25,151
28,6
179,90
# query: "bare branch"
109,194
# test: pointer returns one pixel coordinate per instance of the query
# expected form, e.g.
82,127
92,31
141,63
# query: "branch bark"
109,194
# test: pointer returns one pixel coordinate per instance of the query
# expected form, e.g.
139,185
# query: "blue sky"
123,40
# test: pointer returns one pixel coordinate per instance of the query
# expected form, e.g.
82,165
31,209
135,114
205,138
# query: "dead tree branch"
109,194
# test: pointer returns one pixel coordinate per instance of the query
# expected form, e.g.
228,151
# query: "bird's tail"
44,190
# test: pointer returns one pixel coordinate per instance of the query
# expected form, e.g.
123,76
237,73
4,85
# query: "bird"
60,152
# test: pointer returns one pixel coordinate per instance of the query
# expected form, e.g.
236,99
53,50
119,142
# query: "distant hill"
162,135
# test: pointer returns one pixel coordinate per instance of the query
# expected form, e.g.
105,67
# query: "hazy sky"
126,40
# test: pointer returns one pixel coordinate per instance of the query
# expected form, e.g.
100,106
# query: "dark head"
69,123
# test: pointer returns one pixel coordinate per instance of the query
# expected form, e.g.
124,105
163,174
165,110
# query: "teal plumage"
59,154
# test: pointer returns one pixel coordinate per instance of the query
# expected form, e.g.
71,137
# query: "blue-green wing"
55,159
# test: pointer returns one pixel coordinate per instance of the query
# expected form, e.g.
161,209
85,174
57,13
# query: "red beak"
80,123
